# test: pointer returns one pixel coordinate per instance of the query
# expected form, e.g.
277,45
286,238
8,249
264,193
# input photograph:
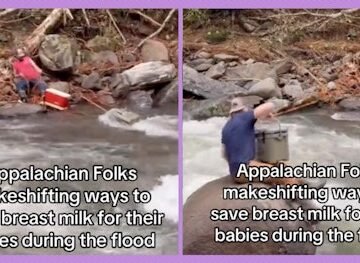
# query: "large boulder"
58,53
204,109
199,229
153,50
92,81
216,71
208,88
168,94
20,109
293,90
280,104
140,99
266,88
352,103
142,75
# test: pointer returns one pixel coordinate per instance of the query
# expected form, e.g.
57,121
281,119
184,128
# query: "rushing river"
320,136
80,138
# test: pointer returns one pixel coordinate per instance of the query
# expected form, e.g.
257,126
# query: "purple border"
180,3
180,259
180,129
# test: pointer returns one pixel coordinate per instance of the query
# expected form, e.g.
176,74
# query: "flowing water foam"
164,125
164,197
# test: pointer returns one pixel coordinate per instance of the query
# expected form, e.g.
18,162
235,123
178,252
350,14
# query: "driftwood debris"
116,26
172,11
33,41
146,17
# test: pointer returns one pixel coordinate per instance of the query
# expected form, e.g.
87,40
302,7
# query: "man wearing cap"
27,74
238,139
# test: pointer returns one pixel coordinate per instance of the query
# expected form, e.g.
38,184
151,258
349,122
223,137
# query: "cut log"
34,40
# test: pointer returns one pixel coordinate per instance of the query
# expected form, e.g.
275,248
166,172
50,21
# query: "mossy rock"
101,43
216,36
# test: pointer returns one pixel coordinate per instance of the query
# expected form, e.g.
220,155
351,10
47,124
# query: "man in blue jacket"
239,142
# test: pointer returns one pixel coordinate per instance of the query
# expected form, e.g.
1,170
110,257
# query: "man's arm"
39,70
264,110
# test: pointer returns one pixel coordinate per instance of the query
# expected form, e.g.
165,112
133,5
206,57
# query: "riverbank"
88,56
295,66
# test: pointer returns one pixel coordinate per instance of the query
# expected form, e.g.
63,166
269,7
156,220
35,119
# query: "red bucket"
57,99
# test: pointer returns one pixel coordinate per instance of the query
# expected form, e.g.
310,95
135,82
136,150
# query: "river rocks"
168,94
216,71
203,67
92,81
202,54
205,87
100,43
256,71
266,88
196,63
225,57
105,98
199,229
153,50
106,56
249,61
127,57
140,99
123,115
351,104
280,104
20,109
233,64
141,75
282,66
58,53
293,90
330,75
331,85
204,109
60,85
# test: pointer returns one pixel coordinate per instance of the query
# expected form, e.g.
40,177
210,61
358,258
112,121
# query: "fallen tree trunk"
7,11
34,40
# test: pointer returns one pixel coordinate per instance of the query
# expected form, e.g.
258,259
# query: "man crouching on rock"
239,142
27,74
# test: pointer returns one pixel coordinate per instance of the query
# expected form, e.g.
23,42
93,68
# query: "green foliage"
216,36
195,17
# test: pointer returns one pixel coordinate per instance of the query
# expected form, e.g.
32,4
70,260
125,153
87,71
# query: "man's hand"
264,110
39,70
